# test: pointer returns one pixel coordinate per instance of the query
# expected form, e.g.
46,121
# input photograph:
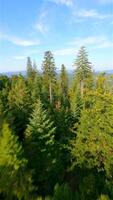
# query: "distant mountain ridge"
70,72
13,73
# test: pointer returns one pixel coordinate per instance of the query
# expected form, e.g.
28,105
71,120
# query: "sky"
31,27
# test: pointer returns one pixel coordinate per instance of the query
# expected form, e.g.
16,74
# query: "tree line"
56,138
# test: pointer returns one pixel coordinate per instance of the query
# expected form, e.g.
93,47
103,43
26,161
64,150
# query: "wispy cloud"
91,14
41,27
94,41
41,24
18,41
63,2
105,44
87,41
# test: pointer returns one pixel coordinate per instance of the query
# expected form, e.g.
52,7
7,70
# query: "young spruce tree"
39,144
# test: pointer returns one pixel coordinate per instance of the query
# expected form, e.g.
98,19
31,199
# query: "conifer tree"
33,80
93,143
36,89
64,80
31,70
29,67
35,84
39,143
93,146
83,68
49,74
19,105
14,179
63,86
76,102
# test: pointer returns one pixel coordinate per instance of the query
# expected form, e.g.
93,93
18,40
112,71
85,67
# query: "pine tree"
83,70
49,74
4,90
14,179
39,144
33,81
19,106
31,70
76,102
94,143
63,86
29,67
64,80
36,88
35,84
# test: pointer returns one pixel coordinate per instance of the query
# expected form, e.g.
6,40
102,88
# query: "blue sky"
30,27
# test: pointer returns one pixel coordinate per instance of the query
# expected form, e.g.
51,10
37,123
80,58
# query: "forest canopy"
56,137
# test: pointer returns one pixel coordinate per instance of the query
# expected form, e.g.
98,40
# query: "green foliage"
63,87
30,70
46,198
63,192
39,143
76,105
33,81
94,138
93,146
83,72
18,106
103,197
49,76
14,180
65,133
84,69
88,188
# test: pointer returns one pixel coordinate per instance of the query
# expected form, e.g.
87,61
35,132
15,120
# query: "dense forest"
56,136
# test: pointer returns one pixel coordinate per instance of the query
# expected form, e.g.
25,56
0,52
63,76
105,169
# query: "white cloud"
93,41
18,41
91,14
41,27
87,41
63,2
41,24
105,44
22,42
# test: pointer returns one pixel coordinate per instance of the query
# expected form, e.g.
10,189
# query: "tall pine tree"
49,74
83,69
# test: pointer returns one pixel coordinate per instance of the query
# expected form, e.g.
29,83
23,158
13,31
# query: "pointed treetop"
83,66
